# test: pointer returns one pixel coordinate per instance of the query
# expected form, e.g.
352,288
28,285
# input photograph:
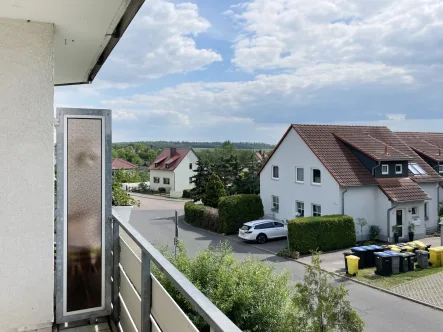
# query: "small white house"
173,169
365,172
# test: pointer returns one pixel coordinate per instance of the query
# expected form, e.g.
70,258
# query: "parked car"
262,230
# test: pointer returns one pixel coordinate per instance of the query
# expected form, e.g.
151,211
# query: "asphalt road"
380,311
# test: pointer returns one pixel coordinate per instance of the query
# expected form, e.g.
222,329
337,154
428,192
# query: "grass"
368,276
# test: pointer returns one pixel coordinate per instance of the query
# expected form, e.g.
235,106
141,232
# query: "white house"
173,170
365,172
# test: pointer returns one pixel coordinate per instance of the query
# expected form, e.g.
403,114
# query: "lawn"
368,276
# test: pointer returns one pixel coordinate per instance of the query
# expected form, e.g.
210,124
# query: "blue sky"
209,70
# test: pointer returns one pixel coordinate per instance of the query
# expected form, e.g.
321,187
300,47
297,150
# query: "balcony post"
116,271
146,293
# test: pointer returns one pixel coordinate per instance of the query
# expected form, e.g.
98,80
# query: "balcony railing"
140,303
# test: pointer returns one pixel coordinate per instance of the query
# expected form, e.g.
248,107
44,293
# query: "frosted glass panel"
84,214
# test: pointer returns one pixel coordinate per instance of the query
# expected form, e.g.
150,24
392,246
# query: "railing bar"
116,271
146,293
210,313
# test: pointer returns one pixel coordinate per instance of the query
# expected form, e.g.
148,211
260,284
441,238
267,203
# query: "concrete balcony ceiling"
85,31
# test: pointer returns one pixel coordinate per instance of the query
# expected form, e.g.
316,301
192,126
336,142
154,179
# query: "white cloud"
396,116
161,41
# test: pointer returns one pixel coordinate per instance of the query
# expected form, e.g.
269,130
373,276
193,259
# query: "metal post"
146,293
176,234
116,271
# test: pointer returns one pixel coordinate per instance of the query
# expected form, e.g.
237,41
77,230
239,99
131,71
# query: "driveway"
380,311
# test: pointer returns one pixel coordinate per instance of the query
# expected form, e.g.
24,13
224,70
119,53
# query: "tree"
322,306
214,191
200,179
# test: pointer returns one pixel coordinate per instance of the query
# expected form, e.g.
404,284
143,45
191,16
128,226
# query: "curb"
333,273
158,198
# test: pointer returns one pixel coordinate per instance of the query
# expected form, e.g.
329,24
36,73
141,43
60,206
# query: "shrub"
374,232
214,191
143,187
162,190
235,210
202,216
121,197
186,193
321,233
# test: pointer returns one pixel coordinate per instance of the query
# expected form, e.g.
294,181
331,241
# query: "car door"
269,230
279,229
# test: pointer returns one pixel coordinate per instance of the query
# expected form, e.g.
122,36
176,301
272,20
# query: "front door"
399,222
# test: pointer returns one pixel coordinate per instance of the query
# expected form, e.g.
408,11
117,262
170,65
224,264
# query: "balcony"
139,301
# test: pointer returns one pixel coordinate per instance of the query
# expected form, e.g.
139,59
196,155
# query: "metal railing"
139,302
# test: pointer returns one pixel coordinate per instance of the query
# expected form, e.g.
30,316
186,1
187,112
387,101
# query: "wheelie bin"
383,264
422,259
360,253
346,254
395,259
411,261
404,262
435,256
353,264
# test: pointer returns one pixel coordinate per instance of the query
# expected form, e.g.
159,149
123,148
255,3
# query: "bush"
235,210
186,193
202,216
374,232
214,191
162,190
321,233
121,197
143,187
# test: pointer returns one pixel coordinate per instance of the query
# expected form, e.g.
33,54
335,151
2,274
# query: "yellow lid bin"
395,249
435,256
352,264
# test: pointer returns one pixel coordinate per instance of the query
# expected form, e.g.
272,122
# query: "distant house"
261,156
361,171
173,170
120,163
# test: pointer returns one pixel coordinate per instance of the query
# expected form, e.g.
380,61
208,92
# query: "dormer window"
385,169
398,169
416,169
440,169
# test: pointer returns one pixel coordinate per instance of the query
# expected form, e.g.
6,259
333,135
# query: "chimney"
173,152
386,149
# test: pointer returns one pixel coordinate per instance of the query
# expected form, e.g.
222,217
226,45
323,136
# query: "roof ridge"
336,125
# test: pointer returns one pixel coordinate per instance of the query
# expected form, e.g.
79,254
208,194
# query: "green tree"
321,305
200,179
214,191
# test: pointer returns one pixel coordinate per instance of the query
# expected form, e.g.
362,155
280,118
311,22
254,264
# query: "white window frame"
318,214
297,209
190,165
296,174
169,180
312,177
272,172
401,169
275,203
156,178
440,169
387,169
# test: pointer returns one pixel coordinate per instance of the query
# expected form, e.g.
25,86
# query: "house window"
414,211
166,181
440,169
190,165
156,179
316,210
426,211
316,176
299,174
398,169
299,209
416,169
385,169
275,172
275,203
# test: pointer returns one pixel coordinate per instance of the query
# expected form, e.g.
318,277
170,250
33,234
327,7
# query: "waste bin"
435,256
398,249
395,259
353,264
360,253
411,261
420,245
404,262
369,256
383,264
422,259
346,254
374,248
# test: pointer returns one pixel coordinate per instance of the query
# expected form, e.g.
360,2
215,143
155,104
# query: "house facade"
173,170
364,172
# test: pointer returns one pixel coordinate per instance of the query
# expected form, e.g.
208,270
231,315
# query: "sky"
216,70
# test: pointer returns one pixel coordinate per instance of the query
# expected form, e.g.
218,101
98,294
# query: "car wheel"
261,238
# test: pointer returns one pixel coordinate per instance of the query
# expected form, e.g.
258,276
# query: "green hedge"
235,210
186,193
202,216
324,233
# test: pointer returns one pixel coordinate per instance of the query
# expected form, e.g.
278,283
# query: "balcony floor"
101,327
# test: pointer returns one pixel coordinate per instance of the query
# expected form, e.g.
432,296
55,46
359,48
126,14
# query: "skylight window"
416,169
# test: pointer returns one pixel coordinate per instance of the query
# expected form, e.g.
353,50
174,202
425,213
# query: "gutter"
376,166
387,220
343,201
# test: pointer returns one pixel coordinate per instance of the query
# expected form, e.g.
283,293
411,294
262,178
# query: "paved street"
381,311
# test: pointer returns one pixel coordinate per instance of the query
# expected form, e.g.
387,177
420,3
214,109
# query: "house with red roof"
362,171
120,163
173,170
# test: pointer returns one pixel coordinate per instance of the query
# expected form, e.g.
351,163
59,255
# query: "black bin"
404,262
383,264
411,261
360,253
347,253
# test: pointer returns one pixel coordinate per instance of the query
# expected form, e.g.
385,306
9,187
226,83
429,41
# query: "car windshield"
246,228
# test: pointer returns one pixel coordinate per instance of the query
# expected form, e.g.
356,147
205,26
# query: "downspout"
343,201
373,168
387,221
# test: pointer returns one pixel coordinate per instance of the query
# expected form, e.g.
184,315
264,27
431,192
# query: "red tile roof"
402,190
428,144
120,163
165,159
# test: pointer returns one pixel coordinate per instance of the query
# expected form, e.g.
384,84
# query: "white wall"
406,207
161,174
432,190
26,193
183,173
382,204
292,152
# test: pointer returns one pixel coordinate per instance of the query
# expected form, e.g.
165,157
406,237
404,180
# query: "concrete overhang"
86,31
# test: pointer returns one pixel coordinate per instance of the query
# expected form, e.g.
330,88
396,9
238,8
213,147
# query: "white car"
262,230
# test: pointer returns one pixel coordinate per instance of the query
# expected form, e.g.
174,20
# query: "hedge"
186,193
202,216
323,233
235,210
